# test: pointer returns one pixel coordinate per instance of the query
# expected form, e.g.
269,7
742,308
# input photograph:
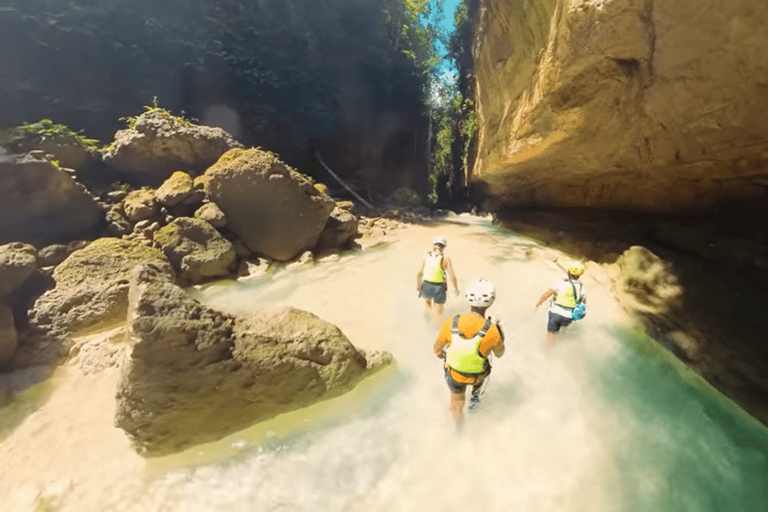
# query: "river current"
603,420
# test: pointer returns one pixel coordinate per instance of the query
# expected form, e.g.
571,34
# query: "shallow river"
603,420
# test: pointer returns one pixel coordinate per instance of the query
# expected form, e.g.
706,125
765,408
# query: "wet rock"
195,375
52,255
646,283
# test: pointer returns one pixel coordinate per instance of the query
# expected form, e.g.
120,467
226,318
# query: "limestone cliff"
622,104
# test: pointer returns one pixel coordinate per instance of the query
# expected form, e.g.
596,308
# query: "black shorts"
433,291
556,321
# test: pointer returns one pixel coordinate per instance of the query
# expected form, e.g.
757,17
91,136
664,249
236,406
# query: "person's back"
466,342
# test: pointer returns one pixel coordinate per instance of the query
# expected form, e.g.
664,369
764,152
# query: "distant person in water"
431,281
466,342
568,298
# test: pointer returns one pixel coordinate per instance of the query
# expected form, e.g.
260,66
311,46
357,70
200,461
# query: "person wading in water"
430,280
466,342
566,295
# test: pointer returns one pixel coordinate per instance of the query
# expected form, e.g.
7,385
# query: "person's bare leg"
550,337
438,312
428,306
457,407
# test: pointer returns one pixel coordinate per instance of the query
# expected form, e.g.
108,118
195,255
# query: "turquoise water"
603,420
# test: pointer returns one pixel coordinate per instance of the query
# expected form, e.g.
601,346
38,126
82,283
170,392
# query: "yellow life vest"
433,268
568,298
463,354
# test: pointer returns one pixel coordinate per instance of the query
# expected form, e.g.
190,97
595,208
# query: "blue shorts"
556,321
434,291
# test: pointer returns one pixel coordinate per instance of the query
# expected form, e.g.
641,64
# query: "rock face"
92,286
621,104
196,374
196,250
159,144
275,211
43,204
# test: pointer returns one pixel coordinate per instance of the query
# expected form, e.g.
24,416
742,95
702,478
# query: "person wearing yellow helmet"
466,342
431,281
568,301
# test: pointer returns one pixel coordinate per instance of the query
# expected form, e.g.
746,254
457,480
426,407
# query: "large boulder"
42,204
645,283
92,286
197,251
620,104
8,335
17,262
195,375
159,144
271,207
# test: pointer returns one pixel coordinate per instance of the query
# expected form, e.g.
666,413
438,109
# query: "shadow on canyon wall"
721,261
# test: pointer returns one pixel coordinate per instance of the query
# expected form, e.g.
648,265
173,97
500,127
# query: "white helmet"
481,293
440,240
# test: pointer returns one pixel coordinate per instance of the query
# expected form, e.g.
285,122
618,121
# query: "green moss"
47,129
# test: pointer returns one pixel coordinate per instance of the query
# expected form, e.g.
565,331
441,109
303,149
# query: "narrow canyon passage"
604,420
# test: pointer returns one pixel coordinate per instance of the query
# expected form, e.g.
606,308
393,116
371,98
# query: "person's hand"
441,354
455,292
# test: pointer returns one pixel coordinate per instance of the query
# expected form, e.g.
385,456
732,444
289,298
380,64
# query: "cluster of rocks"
217,211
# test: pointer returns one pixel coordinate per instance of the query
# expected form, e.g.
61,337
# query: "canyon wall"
637,105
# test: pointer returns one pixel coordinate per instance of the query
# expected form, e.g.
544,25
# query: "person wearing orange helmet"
568,300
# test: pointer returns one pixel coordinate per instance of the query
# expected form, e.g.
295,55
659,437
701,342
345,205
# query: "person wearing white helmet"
466,342
431,282
568,300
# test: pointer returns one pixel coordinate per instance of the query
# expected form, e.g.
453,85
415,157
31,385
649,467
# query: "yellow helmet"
576,268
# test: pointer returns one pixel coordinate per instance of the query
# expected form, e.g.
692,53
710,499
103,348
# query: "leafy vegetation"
179,120
47,129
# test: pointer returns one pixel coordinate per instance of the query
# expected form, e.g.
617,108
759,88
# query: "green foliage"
179,120
47,129
119,186
405,197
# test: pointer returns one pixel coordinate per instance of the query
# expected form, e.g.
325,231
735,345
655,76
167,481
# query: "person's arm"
419,274
547,294
448,267
499,348
443,338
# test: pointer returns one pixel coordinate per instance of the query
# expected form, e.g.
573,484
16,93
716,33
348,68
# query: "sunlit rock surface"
195,374
275,211
622,104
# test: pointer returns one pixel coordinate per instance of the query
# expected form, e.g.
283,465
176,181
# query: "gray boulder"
43,204
271,207
195,375
92,286
339,230
196,249
8,336
140,205
17,262
160,143
175,189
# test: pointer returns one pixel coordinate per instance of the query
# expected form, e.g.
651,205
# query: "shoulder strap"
455,325
482,332
576,297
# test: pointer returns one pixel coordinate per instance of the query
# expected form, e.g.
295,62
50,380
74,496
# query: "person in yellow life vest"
466,342
566,294
431,280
